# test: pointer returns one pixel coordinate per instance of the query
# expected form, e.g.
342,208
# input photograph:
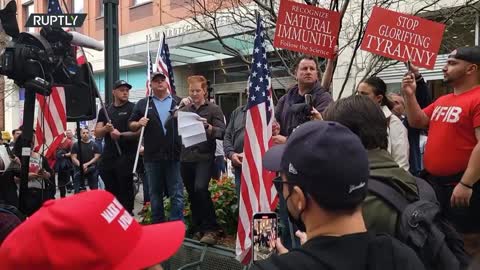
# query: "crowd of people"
352,176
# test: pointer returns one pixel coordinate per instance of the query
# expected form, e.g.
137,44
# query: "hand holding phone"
309,100
264,235
409,66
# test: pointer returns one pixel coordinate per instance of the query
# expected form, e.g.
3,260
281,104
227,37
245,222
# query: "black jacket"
289,119
158,145
424,99
206,150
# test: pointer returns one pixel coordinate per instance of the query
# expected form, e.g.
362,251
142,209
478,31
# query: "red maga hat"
90,230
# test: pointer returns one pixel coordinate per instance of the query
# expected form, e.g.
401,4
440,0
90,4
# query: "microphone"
84,41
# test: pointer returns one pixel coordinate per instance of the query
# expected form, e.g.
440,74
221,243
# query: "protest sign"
307,29
402,37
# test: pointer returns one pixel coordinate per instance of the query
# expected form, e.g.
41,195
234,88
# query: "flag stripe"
51,118
257,192
164,65
46,115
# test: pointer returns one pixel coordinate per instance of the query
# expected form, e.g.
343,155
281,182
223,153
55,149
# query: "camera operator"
293,109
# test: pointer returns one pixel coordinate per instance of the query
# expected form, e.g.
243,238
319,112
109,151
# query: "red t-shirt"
451,136
66,145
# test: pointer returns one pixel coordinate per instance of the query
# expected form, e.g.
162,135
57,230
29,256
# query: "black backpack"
421,226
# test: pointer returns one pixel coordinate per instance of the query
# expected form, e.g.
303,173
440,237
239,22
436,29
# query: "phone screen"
265,233
308,99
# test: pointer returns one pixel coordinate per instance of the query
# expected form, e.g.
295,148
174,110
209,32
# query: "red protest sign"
403,37
306,29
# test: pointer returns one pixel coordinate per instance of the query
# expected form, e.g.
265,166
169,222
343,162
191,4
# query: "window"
27,10
100,9
180,3
139,2
78,6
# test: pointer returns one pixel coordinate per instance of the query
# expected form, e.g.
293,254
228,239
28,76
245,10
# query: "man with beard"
115,168
324,199
291,109
452,154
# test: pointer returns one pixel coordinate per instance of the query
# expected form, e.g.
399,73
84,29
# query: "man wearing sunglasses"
323,178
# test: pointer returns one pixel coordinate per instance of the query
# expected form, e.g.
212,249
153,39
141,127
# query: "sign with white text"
307,29
403,37
56,20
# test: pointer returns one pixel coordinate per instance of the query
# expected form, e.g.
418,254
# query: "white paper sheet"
191,129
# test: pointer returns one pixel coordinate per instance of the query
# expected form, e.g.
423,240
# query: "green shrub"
224,201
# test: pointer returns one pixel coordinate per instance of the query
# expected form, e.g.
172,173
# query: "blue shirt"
163,108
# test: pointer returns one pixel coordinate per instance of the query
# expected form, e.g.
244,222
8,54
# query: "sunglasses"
278,183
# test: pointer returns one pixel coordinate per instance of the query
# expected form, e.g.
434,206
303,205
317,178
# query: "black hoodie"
359,251
290,119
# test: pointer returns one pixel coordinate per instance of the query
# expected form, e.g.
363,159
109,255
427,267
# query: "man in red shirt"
452,154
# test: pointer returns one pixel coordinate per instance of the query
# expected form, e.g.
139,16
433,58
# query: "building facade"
195,51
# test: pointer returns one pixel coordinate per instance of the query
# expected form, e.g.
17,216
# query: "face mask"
296,221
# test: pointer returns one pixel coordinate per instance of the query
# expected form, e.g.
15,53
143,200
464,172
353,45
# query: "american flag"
52,117
258,193
54,7
163,63
149,68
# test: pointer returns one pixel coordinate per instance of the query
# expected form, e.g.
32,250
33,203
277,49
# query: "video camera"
304,109
38,61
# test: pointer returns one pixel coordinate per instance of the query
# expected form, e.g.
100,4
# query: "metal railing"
195,255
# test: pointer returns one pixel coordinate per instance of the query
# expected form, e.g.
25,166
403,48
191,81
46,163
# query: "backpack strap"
388,193
426,191
10,209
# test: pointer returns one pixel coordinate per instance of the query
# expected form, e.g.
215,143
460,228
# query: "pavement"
138,204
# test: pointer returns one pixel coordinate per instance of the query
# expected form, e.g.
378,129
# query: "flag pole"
149,98
97,92
102,104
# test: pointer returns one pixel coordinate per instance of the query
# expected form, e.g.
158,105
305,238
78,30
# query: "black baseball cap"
155,74
121,83
327,160
469,54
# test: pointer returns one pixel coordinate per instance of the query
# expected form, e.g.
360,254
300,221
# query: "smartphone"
309,102
309,99
264,235
409,65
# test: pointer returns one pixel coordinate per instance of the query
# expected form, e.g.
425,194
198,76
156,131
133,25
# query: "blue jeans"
78,183
161,174
219,167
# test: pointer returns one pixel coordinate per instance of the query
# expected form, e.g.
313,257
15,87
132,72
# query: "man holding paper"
197,160
161,147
